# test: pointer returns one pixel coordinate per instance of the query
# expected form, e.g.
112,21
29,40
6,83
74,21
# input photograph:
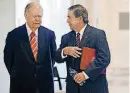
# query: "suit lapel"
42,43
85,36
72,39
25,42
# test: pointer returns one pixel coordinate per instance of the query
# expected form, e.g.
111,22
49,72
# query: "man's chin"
71,28
37,26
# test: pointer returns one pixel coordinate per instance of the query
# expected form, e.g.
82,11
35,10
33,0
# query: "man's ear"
25,15
81,18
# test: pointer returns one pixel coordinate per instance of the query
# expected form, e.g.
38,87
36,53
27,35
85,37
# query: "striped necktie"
33,44
77,39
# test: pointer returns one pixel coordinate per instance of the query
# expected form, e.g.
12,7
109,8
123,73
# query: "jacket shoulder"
46,29
68,34
17,29
94,29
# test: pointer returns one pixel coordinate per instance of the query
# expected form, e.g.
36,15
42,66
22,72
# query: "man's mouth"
36,23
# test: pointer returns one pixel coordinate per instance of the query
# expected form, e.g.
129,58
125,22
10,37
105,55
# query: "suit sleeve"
102,57
53,47
58,55
8,52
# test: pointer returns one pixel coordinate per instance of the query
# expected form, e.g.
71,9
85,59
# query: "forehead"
35,10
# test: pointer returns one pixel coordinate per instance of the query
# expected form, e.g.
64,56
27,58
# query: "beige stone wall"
118,39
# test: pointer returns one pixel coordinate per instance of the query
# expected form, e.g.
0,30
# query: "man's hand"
79,78
72,51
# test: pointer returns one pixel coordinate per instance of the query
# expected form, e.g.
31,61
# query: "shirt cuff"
86,76
63,55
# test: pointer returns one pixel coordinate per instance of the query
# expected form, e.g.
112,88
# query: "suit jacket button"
35,75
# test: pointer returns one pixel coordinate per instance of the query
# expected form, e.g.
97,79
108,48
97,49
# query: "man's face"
34,17
73,21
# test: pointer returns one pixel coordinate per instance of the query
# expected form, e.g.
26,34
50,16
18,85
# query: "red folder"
88,55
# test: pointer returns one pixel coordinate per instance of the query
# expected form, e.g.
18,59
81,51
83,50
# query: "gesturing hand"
72,51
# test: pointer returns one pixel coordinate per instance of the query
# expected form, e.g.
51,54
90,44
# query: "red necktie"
77,39
33,44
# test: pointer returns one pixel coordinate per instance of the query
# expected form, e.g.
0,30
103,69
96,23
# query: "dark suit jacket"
93,38
26,75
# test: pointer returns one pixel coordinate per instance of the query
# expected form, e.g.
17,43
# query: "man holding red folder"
83,36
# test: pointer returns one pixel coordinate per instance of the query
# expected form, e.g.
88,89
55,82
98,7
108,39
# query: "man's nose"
37,18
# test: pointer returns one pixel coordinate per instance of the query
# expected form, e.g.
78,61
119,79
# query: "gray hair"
79,10
29,5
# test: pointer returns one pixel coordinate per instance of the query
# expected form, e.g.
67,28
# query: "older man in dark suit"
84,35
29,53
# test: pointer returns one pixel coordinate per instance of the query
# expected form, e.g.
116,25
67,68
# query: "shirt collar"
29,31
82,30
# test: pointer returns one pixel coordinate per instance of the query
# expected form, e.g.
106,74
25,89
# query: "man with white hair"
29,53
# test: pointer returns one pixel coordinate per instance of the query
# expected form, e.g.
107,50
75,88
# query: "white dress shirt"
81,35
29,31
